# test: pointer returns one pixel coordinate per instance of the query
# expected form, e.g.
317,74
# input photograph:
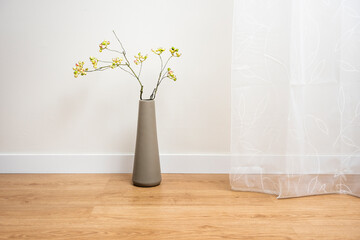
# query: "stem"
141,92
141,86
114,51
124,52
140,69
126,59
99,69
104,61
166,63
153,95
134,74
163,79
128,65
161,63
127,71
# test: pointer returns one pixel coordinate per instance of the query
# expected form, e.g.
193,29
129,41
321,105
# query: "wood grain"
184,206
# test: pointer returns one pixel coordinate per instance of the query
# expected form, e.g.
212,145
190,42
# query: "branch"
99,69
161,63
127,71
114,51
166,63
104,61
128,64
140,69
124,52
153,95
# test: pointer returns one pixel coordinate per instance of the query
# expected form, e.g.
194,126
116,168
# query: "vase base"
140,184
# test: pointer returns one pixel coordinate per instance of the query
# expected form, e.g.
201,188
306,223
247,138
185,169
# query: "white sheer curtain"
296,97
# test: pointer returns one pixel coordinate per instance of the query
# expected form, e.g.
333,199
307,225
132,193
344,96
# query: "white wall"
45,110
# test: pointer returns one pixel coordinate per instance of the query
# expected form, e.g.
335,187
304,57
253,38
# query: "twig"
153,95
127,71
140,69
104,61
114,51
128,65
99,69
124,52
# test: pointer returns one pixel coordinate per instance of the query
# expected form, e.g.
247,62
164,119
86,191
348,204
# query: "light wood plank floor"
184,206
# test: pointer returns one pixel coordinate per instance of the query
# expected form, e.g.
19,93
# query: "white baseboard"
110,163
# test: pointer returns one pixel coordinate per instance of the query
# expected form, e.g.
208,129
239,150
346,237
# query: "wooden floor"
184,206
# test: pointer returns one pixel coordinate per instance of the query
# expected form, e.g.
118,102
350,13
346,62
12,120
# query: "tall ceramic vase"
146,172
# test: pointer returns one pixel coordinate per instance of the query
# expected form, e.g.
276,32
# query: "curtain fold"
296,97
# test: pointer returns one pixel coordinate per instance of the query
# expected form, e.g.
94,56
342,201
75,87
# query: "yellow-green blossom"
158,51
116,62
139,58
170,74
79,69
94,61
174,52
104,45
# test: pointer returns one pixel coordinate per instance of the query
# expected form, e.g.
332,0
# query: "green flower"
139,58
104,45
94,61
158,51
79,69
174,52
116,62
170,74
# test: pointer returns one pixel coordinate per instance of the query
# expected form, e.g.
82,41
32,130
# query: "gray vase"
146,172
